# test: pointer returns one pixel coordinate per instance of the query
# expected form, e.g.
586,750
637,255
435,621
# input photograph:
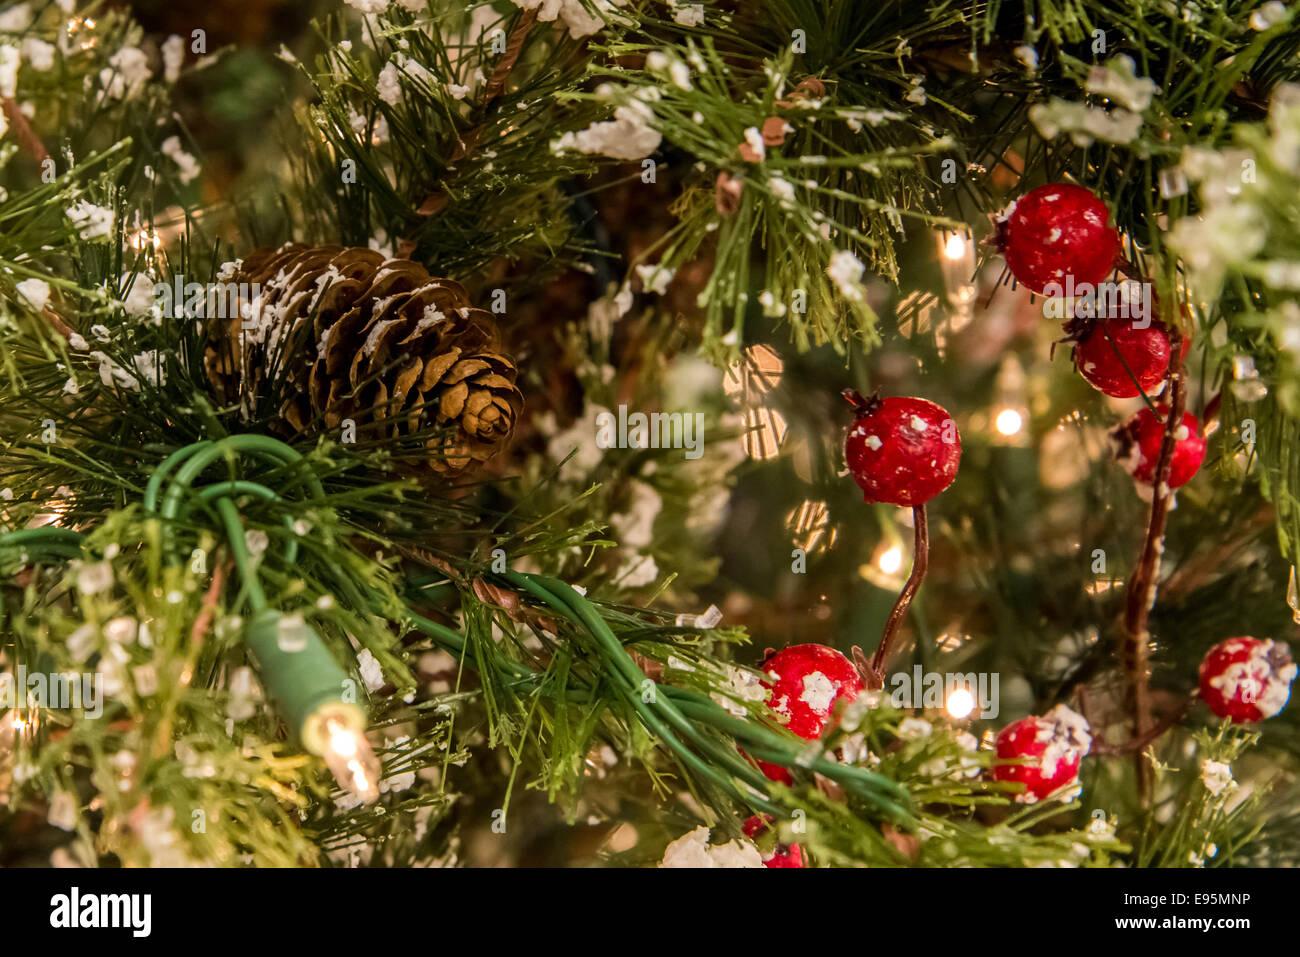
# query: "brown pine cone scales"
399,352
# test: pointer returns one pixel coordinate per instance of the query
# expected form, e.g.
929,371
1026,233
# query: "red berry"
781,855
804,683
1058,231
1137,446
902,451
1052,746
1246,679
1107,346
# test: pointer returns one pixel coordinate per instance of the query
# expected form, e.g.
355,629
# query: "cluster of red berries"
905,451
1059,234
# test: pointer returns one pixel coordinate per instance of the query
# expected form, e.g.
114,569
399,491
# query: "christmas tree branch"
1141,593
436,201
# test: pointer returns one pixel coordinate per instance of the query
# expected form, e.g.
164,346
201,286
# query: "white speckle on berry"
873,443
1182,434
818,692
918,423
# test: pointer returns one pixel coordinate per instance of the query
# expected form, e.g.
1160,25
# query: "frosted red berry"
1247,679
775,854
902,451
805,682
1052,748
1105,348
1058,231
1137,447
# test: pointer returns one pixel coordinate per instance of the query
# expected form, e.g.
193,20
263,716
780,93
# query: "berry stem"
861,404
873,671
1102,747
1135,650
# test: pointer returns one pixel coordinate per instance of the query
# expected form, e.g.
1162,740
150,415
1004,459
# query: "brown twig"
27,137
1100,746
209,607
437,201
873,671
1135,651
57,324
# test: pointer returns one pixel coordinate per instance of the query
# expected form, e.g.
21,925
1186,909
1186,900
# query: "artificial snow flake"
401,780
138,300
81,643
1268,16
387,85
256,540
94,578
629,136
126,73
91,221
635,527
63,811
579,438
457,91
1027,55
655,278
783,188
10,57
744,685
771,305
371,672
912,729
242,703
661,63
573,13
150,366
16,19
845,270
1118,81
637,572
39,54
173,55
1216,776
122,630
602,313
689,15
189,167
694,850
35,291
160,840
1084,123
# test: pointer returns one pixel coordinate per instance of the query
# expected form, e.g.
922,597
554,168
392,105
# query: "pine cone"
399,352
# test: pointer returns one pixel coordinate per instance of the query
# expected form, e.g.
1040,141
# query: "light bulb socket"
305,682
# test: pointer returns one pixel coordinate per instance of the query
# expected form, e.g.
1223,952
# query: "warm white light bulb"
960,703
891,560
348,755
954,247
1009,422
